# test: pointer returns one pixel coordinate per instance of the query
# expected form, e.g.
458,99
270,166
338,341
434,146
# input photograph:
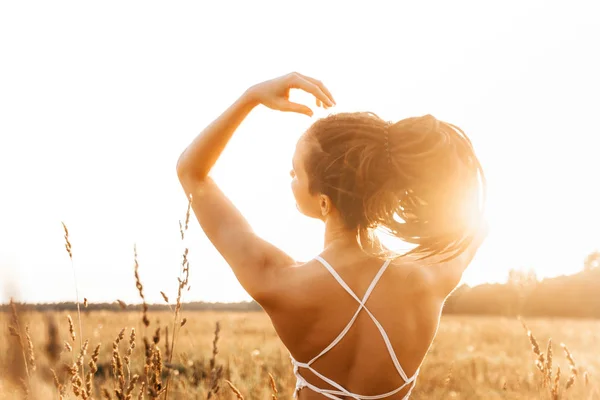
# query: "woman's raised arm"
252,259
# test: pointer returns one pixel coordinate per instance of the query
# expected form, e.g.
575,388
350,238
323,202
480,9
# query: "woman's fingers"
320,85
285,105
299,82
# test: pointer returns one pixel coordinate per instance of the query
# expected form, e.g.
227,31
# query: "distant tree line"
121,307
575,295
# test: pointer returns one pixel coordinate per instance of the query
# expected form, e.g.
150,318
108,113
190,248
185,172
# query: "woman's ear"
324,205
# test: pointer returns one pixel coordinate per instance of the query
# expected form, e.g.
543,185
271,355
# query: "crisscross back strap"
361,303
345,285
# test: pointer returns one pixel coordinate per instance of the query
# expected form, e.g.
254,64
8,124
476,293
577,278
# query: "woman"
358,319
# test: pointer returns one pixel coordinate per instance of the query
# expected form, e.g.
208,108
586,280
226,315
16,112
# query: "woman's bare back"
354,172
360,362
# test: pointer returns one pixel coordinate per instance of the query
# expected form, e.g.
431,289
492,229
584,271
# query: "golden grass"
472,358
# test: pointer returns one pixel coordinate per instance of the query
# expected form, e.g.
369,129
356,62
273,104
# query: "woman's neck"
338,235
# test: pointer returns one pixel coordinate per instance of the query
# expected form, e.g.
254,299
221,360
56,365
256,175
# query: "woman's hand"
275,93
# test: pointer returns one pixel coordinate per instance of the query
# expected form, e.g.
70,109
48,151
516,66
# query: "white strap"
384,335
301,382
345,285
339,337
388,344
361,302
341,390
344,392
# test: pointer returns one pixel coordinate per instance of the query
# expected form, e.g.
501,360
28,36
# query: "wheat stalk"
140,287
215,372
30,351
273,387
93,364
127,357
549,361
117,364
235,390
57,383
555,392
14,329
69,249
183,281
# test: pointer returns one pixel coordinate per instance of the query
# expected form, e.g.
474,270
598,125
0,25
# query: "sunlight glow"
97,105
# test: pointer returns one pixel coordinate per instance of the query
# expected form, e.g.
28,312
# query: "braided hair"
417,179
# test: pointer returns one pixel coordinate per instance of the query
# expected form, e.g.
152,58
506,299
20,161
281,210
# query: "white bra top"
341,391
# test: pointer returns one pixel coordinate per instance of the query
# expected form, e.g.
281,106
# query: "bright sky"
98,99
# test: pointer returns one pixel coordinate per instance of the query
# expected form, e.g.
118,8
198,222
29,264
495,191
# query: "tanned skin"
306,305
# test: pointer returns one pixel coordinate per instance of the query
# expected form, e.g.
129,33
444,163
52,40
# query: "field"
472,357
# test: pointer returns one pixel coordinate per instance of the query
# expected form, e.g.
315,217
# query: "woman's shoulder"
430,275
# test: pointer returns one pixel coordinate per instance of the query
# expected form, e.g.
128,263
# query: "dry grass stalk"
555,392
216,375
153,371
93,364
549,361
30,351
13,331
184,227
82,354
235,390
215,349
131,346
142,390
215,372
273,387
56,381
127,357
540,362
147,348
79,367
71,328
570,382
106,394
72,369
94,360
25,389
167,349
185,264
89,384
85,302
117,364
164,296
14,328
121,304
67,242
140,287
572,365
183,281
183,322
77,386
131,387
158,364
68,347
70,252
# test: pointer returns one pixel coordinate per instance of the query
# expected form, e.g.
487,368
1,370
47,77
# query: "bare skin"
307,307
